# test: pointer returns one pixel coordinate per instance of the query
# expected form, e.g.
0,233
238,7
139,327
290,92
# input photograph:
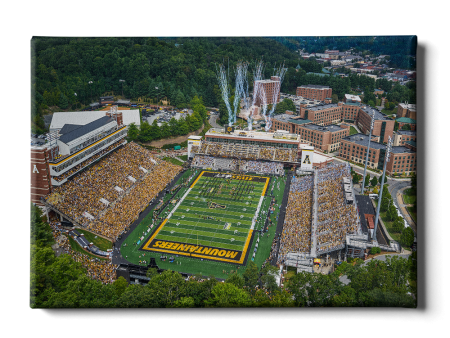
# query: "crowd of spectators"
244,151
87,162
120,180
274,168
296,234
335,218
99,269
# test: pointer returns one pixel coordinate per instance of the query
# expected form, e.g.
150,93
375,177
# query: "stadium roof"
68,128
83,130
405,120
60,119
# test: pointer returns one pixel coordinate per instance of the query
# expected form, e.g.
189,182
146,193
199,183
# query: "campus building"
354,148
324,138
269,87
314,92
406,110
401,137
361,115
402,121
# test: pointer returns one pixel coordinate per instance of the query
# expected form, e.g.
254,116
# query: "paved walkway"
403,209
212,121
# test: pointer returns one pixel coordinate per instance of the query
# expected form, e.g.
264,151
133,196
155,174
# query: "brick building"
314,92
324,138
406,110
40,174
348,98
403,136
354,148
323,114
402,121
269,88
383,125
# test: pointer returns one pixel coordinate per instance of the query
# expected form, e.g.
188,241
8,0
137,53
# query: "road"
212,121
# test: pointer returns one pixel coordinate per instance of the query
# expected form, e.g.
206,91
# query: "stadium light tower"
368,149
386,160
122,85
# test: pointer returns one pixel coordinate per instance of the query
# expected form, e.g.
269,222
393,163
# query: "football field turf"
214,219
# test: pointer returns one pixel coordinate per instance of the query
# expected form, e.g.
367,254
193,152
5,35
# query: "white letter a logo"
35,169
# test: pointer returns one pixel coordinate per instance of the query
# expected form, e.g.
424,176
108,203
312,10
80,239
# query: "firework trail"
257,76
223,83
241,90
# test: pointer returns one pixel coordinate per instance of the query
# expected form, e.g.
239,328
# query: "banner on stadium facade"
307,159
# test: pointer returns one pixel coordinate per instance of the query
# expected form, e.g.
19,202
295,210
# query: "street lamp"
368,149
122,85
75,100
90,88
157,99
386,160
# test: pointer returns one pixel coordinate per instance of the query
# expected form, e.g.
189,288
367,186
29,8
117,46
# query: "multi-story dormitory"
354,148
332,113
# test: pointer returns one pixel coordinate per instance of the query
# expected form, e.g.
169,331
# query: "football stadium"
239,197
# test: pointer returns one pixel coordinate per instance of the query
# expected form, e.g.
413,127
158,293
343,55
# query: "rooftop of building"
378,115
255,135
363,140
323,106
315,86
83,130
405,120
331,128
365,207
406,132
283,117
407,106
401,149
352,97
413,143
60,119
299,121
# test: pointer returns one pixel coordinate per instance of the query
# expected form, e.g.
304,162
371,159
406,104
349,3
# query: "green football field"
215,213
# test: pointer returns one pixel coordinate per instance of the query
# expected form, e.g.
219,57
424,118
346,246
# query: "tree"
251,275
385,180
145,134
41,233
228,295
63,102
392,212
356,178
395,126
407,237
236,279
268,274
406,126
120,285
367,180
334,98
297,286
133,132
384,203
398,224
374,181
155,132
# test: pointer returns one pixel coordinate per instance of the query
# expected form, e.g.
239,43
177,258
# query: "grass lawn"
183,157
353,130
100,242
75,246
413,213
173,161
408,197
389,111
195,265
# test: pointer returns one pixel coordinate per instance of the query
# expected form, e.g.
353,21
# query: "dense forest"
69,73
60,282
401,49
